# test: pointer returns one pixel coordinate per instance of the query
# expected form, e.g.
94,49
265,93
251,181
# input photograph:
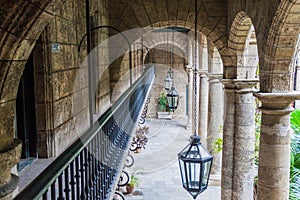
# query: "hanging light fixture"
173,99
172,96
171,73
194,161
168,83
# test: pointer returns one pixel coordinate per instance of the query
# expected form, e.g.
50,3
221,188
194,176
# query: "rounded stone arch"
178,43
161,57
215,36
22,23
278,61
240,32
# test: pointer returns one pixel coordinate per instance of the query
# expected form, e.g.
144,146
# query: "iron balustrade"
90,168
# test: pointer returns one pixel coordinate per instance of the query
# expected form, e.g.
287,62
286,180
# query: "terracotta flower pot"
129,188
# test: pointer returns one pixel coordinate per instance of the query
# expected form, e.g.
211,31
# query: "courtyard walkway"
157,168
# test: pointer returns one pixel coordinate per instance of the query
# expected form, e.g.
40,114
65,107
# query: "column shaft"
244,145
203,108
228,145
274,150
190,96
238,140
215,120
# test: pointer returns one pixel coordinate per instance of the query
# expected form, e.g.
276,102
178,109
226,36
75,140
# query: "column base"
215,180
9,158
6,190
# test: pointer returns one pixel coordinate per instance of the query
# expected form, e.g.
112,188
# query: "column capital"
277,100
214,75
238,84
189,66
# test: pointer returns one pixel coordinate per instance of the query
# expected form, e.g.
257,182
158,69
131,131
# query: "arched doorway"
26,129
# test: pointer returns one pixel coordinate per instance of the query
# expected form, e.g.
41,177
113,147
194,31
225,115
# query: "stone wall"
161,56
62,111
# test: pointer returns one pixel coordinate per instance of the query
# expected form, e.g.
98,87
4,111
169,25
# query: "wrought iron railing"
91,166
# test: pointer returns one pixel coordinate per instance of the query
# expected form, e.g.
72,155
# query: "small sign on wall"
55,47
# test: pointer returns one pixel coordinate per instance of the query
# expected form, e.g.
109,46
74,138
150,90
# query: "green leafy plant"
217,145
162,103
295,156
134,181
257,135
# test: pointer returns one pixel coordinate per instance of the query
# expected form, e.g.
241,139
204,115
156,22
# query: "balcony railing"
91,166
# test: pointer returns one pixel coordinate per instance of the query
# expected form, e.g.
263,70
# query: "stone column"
203,108
204,87
244,140
10,151
274,149
215,119
228,141
190,96
238,140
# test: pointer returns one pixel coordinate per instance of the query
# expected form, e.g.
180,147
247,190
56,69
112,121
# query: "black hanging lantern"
194,161
168,83
173,99
195,165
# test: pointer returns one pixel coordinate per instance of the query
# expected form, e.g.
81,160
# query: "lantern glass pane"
193,172
182,171
203,152
168,83
194,152
205,174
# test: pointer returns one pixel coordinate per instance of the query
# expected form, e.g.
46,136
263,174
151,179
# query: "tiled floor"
156,166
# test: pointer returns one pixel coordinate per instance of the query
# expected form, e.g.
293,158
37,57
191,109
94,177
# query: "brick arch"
279,58
239,33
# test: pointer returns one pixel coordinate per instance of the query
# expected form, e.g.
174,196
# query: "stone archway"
276,84
239,124
240,33
21,25
279,59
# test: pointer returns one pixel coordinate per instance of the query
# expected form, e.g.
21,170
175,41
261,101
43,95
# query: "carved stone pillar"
238,140
215,119
190,96
203,108
228,141
274,150
10,151
9,157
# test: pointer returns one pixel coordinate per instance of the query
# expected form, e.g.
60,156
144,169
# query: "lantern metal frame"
168,82
195,165
173,99
195,162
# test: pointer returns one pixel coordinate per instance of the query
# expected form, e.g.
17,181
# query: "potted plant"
134,182
163,112
140,140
